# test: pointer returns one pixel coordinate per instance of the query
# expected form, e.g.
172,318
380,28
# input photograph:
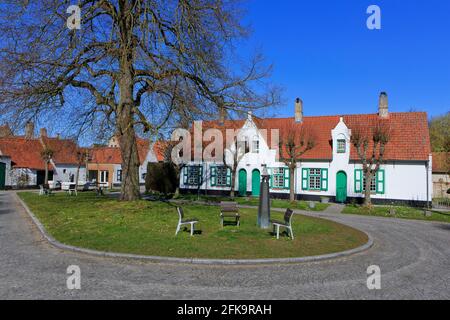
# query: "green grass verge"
400,212
249,201
148,228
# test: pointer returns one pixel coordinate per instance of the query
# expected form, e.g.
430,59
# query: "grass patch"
400,212
148,228
249,201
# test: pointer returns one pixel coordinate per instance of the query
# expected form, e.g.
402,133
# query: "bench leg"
291,233
192,229
278,231
178,229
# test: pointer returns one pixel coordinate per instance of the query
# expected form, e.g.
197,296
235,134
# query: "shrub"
161,177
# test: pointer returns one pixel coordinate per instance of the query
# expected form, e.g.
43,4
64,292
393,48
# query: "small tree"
46,155
295,140
237,150
370,144
82,159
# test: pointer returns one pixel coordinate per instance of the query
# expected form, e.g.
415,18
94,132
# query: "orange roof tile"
24,153
409,133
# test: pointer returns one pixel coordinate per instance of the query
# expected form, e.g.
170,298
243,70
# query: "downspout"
428,197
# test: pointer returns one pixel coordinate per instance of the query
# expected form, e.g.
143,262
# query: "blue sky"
323,52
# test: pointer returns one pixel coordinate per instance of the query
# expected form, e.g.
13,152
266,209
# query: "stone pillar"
264,202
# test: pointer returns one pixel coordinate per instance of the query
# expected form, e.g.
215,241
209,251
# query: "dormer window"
255,147
341,145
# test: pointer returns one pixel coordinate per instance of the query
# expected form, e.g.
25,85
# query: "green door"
2,175
341,187
256,182
242,182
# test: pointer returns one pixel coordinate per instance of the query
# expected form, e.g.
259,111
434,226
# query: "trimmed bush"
161,177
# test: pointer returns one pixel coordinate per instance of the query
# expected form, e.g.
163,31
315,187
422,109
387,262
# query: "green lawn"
249,201
148,228
400,212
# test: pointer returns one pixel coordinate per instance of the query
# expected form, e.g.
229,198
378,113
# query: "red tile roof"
111,155
441,162
409,133
24,153
64,151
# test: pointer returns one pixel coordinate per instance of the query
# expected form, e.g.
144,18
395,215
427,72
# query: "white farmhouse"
332,167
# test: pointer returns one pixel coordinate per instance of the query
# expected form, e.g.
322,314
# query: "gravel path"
414,258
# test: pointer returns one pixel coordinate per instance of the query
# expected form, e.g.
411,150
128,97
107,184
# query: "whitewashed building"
332,168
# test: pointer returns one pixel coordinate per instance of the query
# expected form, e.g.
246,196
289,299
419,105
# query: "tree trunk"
233,177
127,136
292,183
46,174
367,194
130,160
233,182
77,176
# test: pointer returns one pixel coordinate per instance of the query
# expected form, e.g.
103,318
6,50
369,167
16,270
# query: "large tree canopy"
133,65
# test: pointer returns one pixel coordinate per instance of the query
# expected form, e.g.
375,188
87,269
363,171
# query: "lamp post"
264,201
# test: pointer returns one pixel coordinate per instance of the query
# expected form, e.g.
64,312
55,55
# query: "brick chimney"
43,132
29,130
383,111
298,110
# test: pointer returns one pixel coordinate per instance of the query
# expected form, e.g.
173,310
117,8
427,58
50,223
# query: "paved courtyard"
414,258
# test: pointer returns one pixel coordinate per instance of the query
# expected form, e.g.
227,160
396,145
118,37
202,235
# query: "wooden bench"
229,210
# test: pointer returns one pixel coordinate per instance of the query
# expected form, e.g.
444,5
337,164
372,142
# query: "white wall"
404,180
16,173
62,172
7,161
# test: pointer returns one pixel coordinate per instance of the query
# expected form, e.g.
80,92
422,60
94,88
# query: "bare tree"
46,155
370,144
295,140
82,159
134,65
236,150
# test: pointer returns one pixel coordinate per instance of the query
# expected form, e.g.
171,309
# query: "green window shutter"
324,179
213,176
228,177
358,180
269,171
185,175
286,178
305,178
380,181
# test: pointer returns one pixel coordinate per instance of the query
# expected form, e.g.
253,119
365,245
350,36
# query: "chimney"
58,135
298,110
29,130
43,132
383,111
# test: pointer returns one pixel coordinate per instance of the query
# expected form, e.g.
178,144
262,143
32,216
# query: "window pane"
315,179
221,176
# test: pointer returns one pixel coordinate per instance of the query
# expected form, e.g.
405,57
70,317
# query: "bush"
161,177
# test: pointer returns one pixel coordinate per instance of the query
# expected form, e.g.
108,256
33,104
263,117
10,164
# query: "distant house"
441,174
105,163
22,164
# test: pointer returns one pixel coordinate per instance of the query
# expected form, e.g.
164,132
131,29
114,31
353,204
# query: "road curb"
62,246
